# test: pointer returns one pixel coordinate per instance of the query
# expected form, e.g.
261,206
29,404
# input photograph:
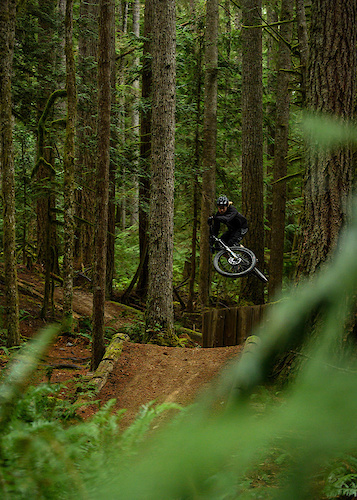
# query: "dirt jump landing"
147,372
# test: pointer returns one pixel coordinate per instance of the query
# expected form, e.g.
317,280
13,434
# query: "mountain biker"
237,224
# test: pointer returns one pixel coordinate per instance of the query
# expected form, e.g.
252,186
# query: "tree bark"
196,165
159,311
102,181
252,142
7,37
69,167
331,90
135,117
86,133
145,149
209,146
303,46
50,250
113,167
46,200
281,149
272,46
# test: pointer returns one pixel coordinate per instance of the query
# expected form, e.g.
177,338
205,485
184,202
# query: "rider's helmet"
222,201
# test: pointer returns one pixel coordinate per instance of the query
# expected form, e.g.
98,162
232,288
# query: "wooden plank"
231,326
230,331
219,333
209,328
205,328
213,328
244,323
256,317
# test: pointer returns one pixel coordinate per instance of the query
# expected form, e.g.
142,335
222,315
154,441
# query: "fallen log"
110,357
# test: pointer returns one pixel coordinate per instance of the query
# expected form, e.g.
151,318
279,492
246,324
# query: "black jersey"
231,218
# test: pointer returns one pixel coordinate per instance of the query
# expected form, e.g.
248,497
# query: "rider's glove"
210,220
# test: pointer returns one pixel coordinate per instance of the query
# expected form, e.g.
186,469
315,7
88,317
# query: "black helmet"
222,201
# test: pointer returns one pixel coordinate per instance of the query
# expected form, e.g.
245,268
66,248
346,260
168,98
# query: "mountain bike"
235,261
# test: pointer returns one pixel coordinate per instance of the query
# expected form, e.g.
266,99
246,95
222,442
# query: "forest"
121,123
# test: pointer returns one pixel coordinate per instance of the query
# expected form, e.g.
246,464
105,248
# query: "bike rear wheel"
234,267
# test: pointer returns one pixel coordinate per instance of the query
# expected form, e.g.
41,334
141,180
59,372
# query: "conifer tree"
102,180
209,145
252,141
7,36
159,309
331,91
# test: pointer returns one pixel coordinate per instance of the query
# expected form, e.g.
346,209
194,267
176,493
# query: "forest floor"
143,372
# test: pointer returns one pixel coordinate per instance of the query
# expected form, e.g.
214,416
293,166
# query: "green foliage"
126,256
328,131
40,455
341,478
135,331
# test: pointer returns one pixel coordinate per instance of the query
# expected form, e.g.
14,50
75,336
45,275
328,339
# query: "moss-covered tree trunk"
197,156
135,115
69,169
86,133
209,146
102,181
110,267
252,142
145,149
45,175
7,36
50,253
159,310
277,237
303,45
331,90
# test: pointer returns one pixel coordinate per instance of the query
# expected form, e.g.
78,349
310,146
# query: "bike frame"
227,248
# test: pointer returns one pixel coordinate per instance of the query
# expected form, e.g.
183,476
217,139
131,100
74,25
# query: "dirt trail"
143,372
147,372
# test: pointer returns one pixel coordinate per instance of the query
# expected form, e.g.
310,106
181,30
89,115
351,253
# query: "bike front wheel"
234,266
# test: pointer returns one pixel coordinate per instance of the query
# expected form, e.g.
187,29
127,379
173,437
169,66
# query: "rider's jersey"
231,218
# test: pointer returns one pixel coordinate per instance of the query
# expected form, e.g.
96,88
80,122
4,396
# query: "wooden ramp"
230,326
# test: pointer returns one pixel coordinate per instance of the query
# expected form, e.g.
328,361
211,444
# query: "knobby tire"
228,266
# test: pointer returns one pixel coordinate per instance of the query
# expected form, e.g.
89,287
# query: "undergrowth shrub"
42,456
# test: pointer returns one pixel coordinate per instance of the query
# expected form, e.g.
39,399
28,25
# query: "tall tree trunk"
192,275
272,45
281,148
145,149
69,168
331,90
7,36
209,146
123,18
303,46
47,245
102,180
252,141
135,117
50,252
195,190
46,200
112,168
159,310
86,133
